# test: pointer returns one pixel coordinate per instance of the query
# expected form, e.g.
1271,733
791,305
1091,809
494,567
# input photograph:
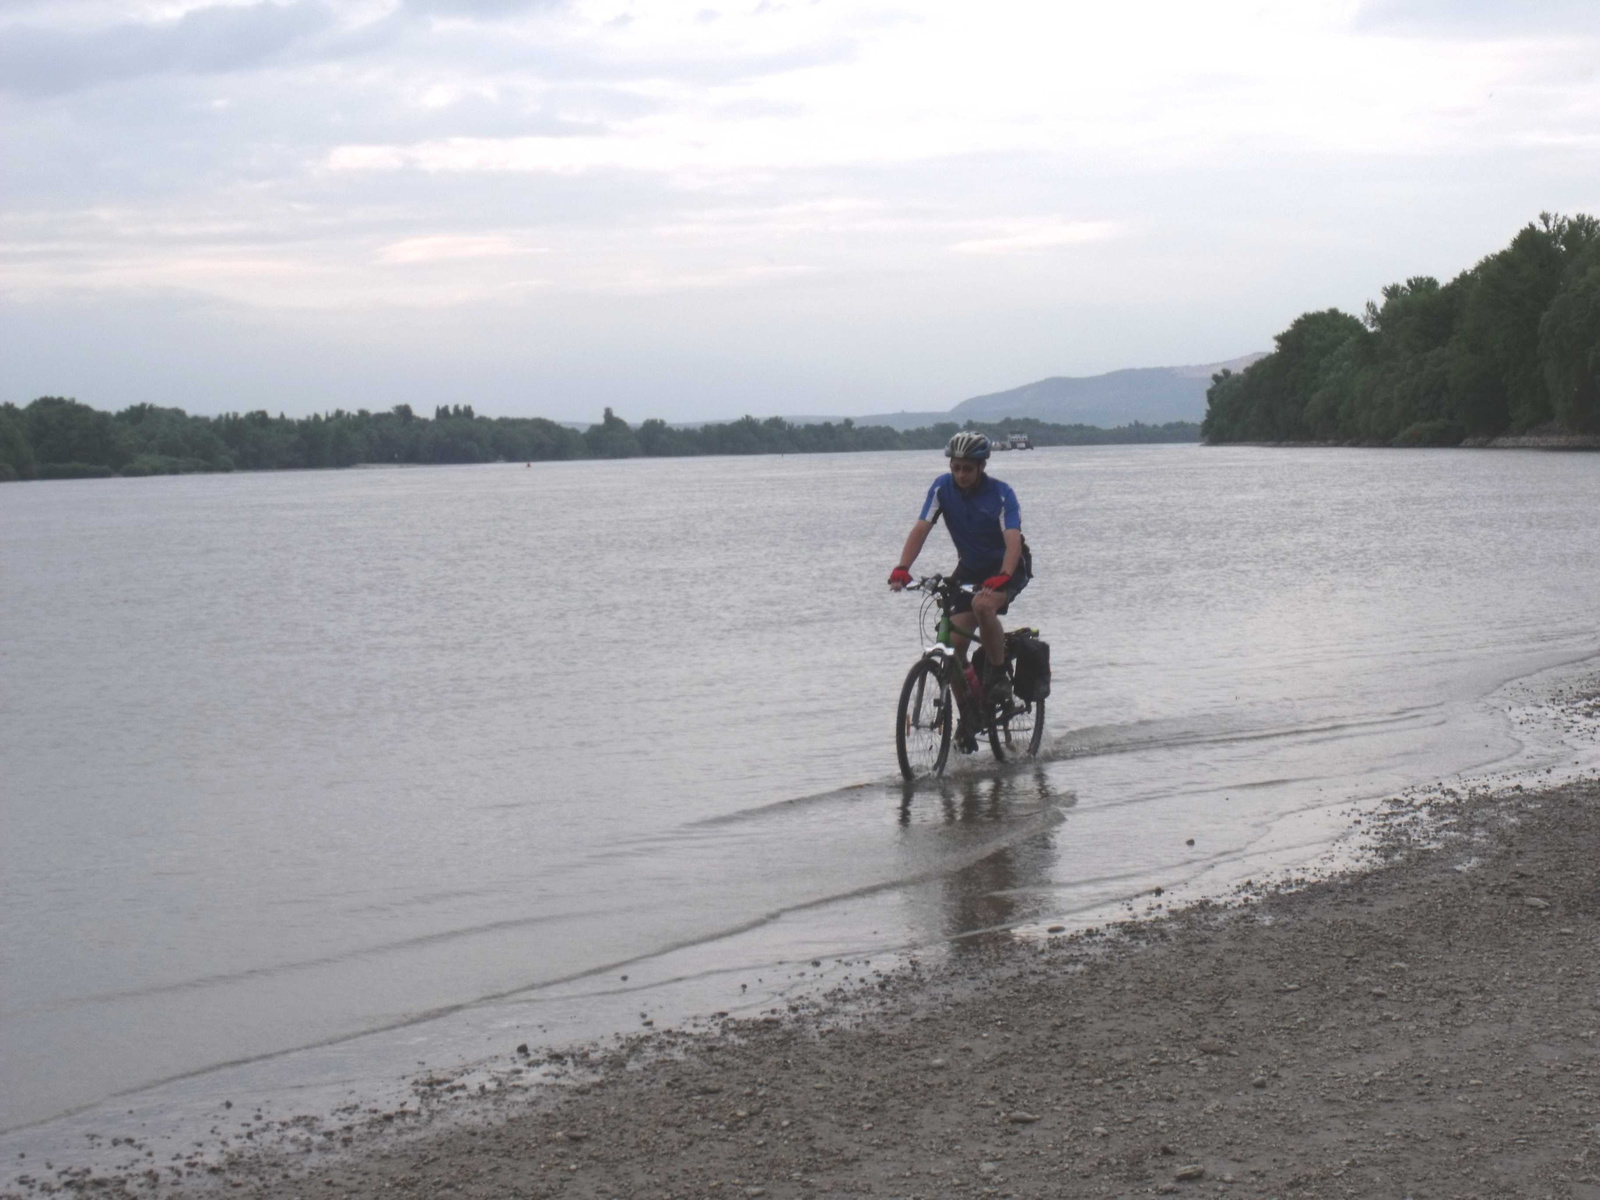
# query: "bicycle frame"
944,650
947,634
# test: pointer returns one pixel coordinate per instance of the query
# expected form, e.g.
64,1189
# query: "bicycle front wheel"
922,721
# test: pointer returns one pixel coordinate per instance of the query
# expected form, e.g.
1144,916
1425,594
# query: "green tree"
1569,352
1272,400
16,454
64,431
612,438
660,440
1498,376
1502,346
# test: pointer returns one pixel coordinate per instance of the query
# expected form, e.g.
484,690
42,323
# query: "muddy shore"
1427,1028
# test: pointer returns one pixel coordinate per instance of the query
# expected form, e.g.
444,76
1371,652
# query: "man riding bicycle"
985,523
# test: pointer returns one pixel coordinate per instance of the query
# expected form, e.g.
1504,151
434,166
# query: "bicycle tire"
922,721
999,737
1022,732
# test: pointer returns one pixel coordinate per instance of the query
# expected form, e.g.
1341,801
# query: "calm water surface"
294,757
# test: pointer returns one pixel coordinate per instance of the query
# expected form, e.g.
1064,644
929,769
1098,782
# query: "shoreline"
1431,1021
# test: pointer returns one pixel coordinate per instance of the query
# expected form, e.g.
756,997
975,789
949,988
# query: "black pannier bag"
1030,676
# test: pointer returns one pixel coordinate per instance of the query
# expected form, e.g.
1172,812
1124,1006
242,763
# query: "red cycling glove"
996,583
899,575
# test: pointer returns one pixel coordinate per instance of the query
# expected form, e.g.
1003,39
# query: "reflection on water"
987,897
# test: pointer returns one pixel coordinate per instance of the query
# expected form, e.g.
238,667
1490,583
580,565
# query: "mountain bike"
942,699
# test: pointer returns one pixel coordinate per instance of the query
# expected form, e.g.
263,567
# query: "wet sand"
1428,1028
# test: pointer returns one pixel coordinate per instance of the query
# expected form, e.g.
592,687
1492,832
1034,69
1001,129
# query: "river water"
311,777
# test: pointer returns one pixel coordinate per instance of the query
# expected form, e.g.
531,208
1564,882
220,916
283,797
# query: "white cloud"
645,283
865,165
41,60
1139,87
1042,237
450,247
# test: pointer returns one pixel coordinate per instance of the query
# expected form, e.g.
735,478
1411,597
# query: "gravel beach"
1426,1028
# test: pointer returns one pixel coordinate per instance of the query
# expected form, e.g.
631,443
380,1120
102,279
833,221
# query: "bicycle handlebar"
941,589
935,583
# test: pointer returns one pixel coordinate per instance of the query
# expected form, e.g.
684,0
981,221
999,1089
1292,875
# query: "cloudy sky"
700,209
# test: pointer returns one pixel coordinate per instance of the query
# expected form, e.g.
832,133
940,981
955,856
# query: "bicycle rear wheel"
996,725
1019,734
922,721
997,731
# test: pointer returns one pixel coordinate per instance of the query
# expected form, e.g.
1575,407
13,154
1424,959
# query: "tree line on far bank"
1510,346
56,438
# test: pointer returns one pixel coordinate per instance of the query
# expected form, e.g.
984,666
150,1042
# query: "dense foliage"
54,438
1509,346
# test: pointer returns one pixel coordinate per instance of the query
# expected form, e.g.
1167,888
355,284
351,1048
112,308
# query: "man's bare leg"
961,625
986,607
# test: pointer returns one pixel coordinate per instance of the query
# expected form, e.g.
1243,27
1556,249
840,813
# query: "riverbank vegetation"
1508,347
57,438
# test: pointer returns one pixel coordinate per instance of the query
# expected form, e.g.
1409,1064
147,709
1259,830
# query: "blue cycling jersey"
978,522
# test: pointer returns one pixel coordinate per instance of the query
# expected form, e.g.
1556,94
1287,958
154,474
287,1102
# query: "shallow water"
295,758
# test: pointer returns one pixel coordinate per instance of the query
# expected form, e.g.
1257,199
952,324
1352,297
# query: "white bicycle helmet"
968,444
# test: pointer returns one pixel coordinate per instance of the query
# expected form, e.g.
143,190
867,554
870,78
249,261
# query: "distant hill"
1152,395
1148,394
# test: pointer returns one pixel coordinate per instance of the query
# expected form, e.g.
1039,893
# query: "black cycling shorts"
962,601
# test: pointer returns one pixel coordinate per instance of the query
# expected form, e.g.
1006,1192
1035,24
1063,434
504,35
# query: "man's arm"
1011,530
1013,552
913,547
1008,565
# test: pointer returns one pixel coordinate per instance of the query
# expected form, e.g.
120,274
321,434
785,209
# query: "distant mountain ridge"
1150,395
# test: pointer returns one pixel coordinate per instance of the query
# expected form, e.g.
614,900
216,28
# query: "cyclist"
985,523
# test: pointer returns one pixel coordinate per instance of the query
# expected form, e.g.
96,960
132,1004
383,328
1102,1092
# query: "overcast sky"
700,209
